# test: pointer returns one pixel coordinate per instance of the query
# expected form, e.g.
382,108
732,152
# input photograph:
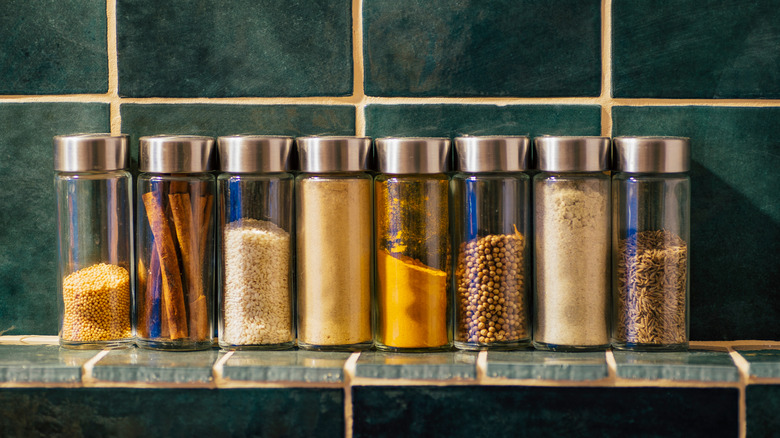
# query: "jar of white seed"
572,243
255,259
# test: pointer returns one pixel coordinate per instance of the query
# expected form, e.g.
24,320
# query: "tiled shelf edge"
348,377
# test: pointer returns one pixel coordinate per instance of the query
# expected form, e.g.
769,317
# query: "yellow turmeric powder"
412,301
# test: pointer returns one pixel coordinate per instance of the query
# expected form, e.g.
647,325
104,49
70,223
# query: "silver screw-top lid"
176,154
412,155
652,154
90,152
333,154
493,154
572,154
254,153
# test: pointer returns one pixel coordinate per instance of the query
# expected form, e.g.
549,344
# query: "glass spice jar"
175,243
333,232
651,215
94,224
490,226
412,244
255,258
572,243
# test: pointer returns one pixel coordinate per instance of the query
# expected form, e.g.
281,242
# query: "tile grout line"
481,366
217,371
606,68
113,68
358,61
349,374
611,366
744,376
86,369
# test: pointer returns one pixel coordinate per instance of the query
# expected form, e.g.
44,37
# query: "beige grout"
482,366
349,374
218,369
113,68
744,377
358,62
611,365
86,370
606,68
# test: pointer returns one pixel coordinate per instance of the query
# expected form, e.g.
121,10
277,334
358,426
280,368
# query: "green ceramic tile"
762,405
286,366
419,366
42,363
215,120
28,245
53,47
209,48
523,411
454,120
763,363
545,365
468,48
695,49
710,366
152,366
735,216
125,412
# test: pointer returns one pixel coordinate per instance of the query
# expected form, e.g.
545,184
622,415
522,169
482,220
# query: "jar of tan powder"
334,251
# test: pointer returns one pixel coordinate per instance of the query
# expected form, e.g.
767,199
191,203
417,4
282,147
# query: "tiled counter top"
716,389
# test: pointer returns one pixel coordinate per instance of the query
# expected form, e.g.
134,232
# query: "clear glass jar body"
175,249
413,262
572,244
255,261
650,280
333,260
95,269
490,226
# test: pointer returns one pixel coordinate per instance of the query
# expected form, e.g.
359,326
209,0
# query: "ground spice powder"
97,304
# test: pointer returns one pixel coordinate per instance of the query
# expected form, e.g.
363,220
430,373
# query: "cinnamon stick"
172,291
187,233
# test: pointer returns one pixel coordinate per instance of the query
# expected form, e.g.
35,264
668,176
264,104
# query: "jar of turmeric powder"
95,267
411,211
175,243
491,223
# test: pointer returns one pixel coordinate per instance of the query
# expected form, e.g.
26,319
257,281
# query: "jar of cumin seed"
650,244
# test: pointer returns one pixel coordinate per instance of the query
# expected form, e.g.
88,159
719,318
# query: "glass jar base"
181,345
361,346
281,346
544,346
498,346
627,346
96,345
391,349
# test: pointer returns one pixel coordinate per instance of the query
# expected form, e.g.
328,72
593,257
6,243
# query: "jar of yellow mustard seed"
94,223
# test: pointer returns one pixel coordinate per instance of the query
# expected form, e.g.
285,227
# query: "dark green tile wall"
454,120
121,412
763,403
465,411
470,48
735,216
53,47
209,48
28,246
695,49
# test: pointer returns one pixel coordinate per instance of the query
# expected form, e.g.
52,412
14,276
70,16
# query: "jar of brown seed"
491,225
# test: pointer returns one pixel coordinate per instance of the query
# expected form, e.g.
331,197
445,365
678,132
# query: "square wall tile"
53,47
139,120
695,49
434,366
735,216
763,363
152,366
123,412
547,365
471,411
28,236
286,366
762,405
210,48
455,120
469,48
42,363
708,366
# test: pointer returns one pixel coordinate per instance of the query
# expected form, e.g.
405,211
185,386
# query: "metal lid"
652,154
572,154
176,154
88,152
254,153
493,154
400,155
333,154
